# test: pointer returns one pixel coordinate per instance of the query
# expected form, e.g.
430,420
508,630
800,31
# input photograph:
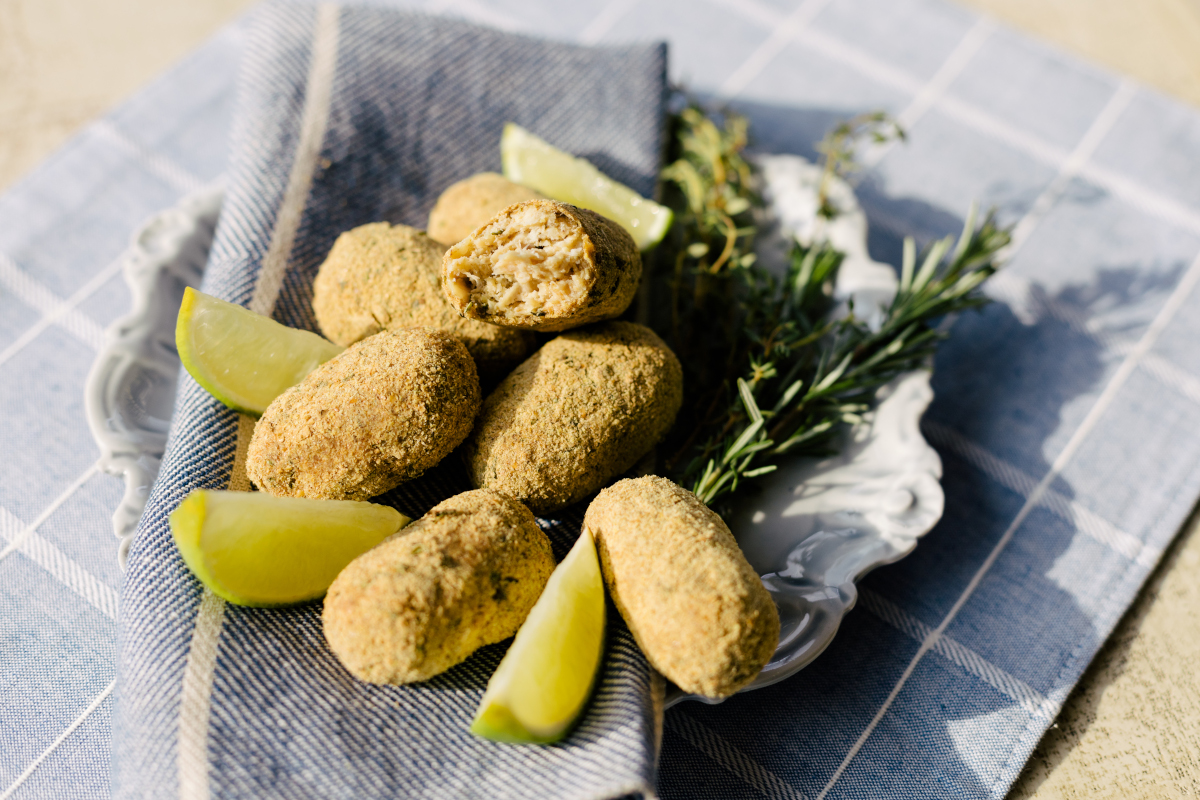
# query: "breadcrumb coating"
384,277
466,205
370,418
694,604
543,265
579,412
463,576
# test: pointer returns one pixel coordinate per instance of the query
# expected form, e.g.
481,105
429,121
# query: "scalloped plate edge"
130,390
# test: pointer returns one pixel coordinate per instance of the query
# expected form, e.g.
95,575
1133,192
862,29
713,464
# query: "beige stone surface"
64,62
1132,727
1155,41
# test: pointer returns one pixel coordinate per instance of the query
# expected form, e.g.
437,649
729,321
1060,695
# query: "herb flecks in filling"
539,263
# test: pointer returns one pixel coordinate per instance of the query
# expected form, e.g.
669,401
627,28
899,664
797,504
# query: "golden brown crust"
543,265
576,414
370,418
463,576
466,205
694,604
384,277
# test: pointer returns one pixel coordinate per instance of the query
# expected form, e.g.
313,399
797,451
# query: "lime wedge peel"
253,549
244,359
532,162
545,679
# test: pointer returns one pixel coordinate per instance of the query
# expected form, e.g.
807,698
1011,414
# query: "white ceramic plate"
815,527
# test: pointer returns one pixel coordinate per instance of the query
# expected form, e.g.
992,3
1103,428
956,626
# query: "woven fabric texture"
1067,413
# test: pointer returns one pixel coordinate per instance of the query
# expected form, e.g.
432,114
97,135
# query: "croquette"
691,600
381,277
464,575
543,265
370,418
580,411
469,203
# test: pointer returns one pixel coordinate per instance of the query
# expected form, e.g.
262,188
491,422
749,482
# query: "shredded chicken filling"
531,263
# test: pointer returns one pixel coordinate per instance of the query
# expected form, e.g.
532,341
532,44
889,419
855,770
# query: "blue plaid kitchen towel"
1067,415
349,115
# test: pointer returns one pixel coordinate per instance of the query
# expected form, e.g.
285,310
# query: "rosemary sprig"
769,374
799,390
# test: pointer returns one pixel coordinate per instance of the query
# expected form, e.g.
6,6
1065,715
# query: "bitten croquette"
543,265
464,575
466,205
580,411
694,604
378,414
384,277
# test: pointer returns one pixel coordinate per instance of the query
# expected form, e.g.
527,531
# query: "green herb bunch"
710,188
771,373
693,274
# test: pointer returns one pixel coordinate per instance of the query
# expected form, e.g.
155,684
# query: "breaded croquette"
579,412
378,414
691,600
544,266
382,276
469,203
464,575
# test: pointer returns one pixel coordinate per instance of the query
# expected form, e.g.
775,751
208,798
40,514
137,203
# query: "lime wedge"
244,359
543,683
257,550
533,162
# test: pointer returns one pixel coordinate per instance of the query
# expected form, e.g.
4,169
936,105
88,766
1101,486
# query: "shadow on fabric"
1002,386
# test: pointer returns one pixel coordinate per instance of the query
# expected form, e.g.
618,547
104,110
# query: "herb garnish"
769,374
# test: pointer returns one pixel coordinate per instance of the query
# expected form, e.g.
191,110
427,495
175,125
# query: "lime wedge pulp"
529,161
546,677
244,359
257,550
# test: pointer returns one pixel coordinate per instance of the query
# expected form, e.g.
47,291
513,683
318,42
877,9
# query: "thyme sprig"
694,272
770,374
839,150
716,183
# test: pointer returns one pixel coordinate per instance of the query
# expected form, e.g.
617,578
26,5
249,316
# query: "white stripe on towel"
313,122
196,704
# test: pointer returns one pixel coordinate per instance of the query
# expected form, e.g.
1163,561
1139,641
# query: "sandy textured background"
1132,727
64,62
